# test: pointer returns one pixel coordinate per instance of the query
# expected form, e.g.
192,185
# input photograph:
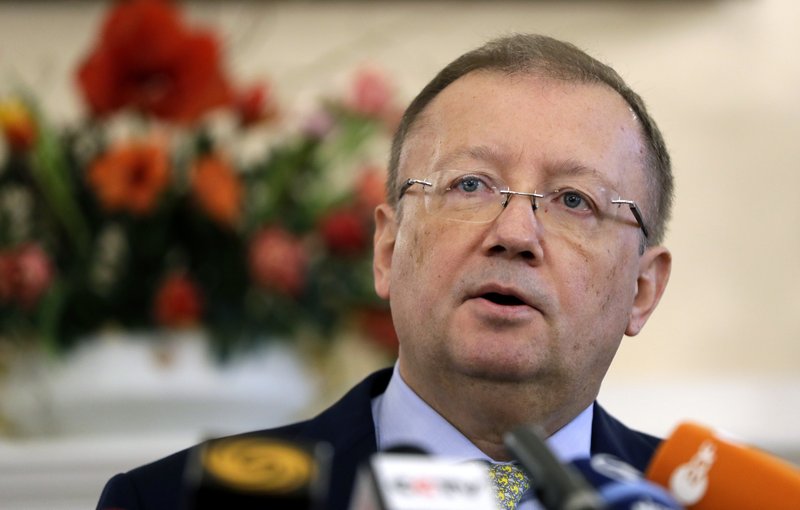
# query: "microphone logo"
689,481
259,465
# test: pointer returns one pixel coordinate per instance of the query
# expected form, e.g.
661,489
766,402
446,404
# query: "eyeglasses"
574,206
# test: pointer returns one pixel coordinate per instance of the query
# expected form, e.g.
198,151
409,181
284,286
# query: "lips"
502,299
502,295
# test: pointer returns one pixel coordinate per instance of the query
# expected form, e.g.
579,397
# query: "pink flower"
35,274
178,302
371,94
26,273
278,260
319,124
344,232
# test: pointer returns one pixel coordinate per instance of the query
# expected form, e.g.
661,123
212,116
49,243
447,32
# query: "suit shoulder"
153,486
609,435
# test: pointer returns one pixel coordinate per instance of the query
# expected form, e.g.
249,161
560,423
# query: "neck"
486,410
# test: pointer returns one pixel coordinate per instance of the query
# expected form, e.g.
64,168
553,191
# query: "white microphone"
403,481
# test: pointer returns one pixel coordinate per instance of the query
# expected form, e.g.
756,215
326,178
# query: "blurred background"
185,227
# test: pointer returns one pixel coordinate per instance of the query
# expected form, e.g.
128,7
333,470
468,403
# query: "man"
528,193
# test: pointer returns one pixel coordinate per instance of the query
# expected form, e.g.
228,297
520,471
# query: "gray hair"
545,56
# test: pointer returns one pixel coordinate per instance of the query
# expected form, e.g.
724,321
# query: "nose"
516,232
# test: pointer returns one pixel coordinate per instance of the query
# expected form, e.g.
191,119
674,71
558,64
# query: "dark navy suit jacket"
348,426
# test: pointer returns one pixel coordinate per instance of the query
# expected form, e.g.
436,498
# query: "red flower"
17,125
130,177
256,103
26,273
8,276
278,260
217,189
149,60
178,302
377,325
344,232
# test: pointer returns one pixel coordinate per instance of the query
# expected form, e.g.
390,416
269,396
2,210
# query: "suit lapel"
610,436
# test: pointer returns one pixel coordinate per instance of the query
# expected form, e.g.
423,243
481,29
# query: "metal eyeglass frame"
533,196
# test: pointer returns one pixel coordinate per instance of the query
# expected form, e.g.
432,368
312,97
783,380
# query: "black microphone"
557,486
405,478
598,482
252,471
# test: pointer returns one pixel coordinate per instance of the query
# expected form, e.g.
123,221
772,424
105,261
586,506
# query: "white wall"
721,77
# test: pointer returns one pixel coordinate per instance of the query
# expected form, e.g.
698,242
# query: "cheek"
411,259
595,279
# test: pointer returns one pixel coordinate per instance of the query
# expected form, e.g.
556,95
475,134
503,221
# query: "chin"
502,370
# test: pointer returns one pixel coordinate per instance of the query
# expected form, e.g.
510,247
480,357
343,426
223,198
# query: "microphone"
704,471
599,482
405,478
621,486
252,471
557,486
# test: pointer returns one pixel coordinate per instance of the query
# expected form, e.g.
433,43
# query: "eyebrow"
572,168
480,153
488,154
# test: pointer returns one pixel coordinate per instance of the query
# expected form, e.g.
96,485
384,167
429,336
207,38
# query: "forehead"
529,128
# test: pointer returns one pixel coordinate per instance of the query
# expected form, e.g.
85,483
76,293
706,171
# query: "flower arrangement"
182,201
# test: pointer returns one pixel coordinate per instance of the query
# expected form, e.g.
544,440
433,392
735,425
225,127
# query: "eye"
472,184
573,200
469,183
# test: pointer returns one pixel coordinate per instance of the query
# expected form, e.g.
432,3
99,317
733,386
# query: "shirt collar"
402,418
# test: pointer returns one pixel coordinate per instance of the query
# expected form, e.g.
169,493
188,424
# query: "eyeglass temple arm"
635,211
409,183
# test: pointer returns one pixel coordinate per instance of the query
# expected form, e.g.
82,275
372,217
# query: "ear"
654,269
383,246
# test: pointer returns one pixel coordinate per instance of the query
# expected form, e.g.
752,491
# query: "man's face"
507,300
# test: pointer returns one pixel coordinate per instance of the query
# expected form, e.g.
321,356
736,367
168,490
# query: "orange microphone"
706,472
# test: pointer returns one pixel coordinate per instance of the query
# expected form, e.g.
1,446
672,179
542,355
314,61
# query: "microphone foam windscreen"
704,471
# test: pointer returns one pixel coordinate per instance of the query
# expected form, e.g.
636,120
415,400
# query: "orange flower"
17,125
130,177
178,302
217,189
370,189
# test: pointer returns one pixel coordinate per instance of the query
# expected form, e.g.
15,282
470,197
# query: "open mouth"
502,299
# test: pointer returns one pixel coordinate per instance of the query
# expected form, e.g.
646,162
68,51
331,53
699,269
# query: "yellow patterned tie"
509,483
